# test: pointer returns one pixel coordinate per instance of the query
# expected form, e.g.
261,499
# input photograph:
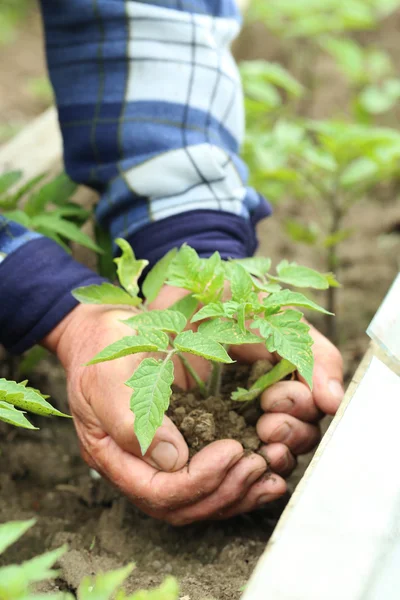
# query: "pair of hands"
220,481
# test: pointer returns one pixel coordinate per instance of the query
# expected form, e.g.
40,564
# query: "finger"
266,490
234,487
299,437
291,397
328,389
279,458
156,492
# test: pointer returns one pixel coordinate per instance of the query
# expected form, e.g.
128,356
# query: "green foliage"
17,581
45,208
16,398
225,321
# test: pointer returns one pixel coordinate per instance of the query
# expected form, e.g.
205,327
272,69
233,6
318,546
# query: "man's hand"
220,481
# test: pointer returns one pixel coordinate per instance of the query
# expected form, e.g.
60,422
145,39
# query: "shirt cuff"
207,231
36,281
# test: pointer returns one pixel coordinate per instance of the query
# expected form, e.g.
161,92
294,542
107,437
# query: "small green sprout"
232,303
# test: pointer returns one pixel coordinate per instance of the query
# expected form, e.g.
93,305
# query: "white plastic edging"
342,538
339,537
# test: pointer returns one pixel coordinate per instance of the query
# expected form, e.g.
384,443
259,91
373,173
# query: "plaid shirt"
151,112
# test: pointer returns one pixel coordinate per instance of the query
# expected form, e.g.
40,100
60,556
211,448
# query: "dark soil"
203,421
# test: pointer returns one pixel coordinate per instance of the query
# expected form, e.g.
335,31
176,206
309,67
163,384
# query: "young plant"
17,581
333,164
228,301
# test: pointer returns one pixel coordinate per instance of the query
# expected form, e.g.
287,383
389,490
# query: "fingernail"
336,388
164,456
282,406
281,433
264,500
252,478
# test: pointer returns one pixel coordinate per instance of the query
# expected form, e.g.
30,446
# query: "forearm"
36,279
150,107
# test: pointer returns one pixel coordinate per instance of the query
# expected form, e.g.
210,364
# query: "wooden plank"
36,149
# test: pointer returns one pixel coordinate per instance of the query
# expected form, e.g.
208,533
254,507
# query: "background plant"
17,582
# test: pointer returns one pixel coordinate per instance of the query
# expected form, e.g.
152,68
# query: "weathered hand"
289,425
219,482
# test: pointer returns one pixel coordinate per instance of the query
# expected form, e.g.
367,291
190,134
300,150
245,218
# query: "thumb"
109,400
328,391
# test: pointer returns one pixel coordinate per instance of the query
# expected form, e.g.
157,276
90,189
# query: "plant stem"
199,382
214,383
277,373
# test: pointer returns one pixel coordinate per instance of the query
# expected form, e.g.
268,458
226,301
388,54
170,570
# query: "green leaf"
31,359
286,334
152,336
304,233
11,532
186,305
277,373
257,265
211,279
105,293
158,275
201,345
164,320
105,262
227,332
337,238
11,201
15,580
184,269
26,398
214,309
12,416
7,180
19,217
289,298
240,281
68,230
128,268
58,191
127,345
151,383
104,585
298,276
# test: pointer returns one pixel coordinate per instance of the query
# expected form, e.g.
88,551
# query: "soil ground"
42,474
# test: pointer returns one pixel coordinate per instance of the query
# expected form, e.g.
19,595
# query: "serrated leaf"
105,293
15,580
158,338
57,191
211,279
66,229
128,268
201,345
184,268
186,305
12,416
164,320
26,398
7,180
287,335
299,276
151,383
289,298
257,265
158,275
227,332
131,344
240,281
214,309
104,585
13,530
